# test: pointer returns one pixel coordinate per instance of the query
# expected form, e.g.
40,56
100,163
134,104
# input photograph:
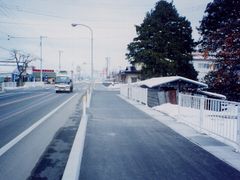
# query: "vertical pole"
238,130
41,75
84,104
179,105
201,113
91,54
59,60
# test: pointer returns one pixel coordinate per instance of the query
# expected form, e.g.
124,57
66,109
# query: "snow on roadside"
115,86
169,109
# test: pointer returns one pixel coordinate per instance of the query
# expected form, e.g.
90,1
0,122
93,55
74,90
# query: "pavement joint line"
10,144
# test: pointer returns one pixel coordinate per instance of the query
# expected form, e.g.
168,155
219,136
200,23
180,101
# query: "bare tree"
22,60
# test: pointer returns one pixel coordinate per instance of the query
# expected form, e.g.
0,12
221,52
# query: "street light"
91,31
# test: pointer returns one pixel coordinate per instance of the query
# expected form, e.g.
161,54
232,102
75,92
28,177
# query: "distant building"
48,75
129,75
5,77
203,64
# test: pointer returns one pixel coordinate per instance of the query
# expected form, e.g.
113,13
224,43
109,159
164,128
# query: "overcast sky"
112,22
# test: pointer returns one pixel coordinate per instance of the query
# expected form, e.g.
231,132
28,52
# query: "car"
63,83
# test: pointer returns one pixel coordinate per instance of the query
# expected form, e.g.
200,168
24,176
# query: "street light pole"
91,32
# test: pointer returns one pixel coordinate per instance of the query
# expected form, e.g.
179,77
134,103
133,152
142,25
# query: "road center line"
10,144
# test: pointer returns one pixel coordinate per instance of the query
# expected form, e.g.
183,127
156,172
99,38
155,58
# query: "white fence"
219,118
7,85
134,93
34,84
11,85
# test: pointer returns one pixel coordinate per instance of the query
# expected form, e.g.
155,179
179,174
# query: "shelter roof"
154,82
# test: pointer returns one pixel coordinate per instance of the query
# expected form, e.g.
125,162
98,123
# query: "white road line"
27,108
12,93
19,100
30,129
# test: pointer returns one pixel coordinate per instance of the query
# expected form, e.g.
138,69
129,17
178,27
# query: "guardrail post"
238,130
84,101
201,113
179,105
89,94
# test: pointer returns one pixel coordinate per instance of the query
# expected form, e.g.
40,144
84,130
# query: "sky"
113,24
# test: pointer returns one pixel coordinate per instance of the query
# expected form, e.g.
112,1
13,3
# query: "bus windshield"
62,79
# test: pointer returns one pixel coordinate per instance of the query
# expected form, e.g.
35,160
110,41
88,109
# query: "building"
165,89
129,75
203,64
48,75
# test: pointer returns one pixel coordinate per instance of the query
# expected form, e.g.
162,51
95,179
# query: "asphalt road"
21,110
123,143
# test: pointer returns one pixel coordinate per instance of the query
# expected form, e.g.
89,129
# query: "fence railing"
135,93
217,117
4,85
34,84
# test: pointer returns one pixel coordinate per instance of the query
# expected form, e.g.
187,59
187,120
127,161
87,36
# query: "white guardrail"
219,118
12,85
34,84
4,85
134,93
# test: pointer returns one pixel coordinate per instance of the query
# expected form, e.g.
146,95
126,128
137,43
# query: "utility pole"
41,59
107,69
59,60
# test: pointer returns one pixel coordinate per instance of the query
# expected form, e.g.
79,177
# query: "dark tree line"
164,44
220,30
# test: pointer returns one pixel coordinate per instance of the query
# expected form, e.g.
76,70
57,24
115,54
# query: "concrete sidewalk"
122,142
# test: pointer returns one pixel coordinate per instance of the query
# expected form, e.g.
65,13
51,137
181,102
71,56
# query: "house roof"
220,96
154,82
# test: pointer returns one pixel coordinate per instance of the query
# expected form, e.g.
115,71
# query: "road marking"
19,100
11,94
30,129
27,108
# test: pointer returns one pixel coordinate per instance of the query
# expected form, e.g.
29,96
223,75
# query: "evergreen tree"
220,30
163,44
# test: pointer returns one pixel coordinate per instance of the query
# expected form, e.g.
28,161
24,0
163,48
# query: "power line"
34,12
5,49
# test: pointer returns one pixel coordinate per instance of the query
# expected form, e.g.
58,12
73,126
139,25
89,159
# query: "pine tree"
163,44
220,30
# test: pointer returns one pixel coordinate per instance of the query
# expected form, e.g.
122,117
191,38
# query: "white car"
63,84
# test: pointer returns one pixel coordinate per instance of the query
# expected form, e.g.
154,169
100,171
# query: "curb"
225,153
72,169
